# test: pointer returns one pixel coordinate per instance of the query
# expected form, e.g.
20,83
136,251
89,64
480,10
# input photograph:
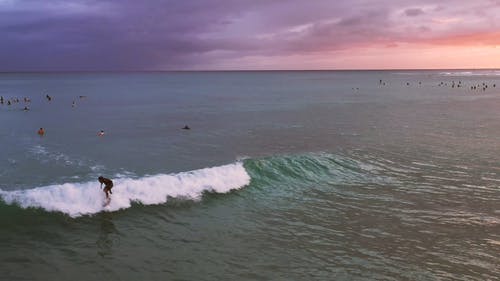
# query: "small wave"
77,199
493,242
408,73
471,73
490,179
460,73
440,178
424,164
38,150
44,155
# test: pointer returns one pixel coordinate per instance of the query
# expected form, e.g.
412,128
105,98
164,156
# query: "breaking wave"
77,199
471,73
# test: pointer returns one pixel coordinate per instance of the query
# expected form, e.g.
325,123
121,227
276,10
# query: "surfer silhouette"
108,184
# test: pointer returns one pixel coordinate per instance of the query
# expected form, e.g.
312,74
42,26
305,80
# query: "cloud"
413,12
167,34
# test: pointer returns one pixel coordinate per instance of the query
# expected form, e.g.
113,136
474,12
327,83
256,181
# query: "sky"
155,35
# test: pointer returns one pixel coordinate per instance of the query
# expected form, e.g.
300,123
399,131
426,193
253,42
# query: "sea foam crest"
77,199
472,73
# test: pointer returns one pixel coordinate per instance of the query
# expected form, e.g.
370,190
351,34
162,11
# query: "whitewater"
78,199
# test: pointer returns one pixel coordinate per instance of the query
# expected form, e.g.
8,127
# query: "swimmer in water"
41,132
101,133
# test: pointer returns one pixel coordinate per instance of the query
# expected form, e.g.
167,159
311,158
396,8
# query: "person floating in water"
101,133
41,132
49,98
186,128
108,184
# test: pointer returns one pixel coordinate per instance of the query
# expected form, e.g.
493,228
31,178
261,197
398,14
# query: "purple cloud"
414,12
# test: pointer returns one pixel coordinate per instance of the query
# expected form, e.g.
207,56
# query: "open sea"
284,175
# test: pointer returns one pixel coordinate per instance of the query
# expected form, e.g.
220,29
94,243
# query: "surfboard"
106,202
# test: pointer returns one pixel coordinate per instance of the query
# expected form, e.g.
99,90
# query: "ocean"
283,175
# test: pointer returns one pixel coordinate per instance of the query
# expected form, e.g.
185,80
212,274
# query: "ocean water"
301,175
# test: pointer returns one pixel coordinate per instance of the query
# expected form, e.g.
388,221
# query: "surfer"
41,132
101,133
186,128
108,184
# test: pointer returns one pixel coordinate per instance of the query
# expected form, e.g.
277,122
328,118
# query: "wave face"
77,199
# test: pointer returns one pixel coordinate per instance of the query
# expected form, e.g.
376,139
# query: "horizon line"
239,70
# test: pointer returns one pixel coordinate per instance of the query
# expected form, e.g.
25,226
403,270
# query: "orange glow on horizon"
485,38
400,56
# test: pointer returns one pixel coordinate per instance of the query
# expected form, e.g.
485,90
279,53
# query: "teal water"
283,176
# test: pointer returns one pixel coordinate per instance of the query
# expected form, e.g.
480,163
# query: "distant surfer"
186,128
101,133
41,132
108,184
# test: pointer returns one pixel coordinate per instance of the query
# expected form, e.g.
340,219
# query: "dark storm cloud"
127,36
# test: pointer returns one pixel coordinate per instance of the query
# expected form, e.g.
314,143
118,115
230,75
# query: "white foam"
77,199
44,155
471,73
